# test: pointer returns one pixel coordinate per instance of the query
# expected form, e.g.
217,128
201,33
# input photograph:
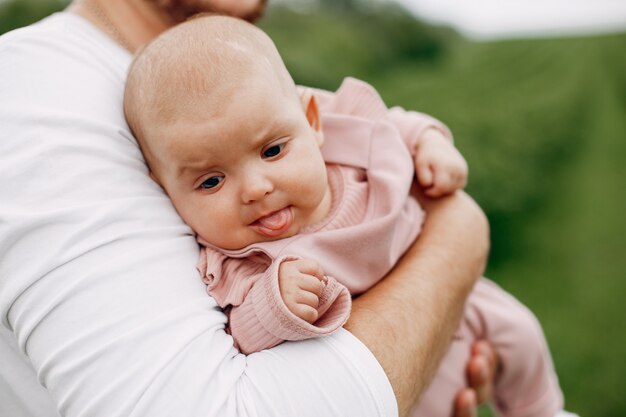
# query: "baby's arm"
268,304
279,306
439,166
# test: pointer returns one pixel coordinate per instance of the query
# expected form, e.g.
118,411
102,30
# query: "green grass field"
543,126
573,247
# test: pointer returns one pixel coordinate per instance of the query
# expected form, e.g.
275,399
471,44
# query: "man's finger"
483,347
481,370
480,379
465,404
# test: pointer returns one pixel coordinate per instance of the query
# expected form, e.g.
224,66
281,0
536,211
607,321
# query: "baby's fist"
439,166
301,282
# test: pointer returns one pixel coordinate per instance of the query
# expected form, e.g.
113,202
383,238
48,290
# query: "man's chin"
181,10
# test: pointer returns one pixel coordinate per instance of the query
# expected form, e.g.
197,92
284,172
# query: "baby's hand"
301,282
440,167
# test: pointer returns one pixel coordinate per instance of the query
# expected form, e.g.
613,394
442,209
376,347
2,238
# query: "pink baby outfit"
372,222
370,225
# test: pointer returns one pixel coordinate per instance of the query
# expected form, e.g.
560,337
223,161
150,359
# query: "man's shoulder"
35,35
61,40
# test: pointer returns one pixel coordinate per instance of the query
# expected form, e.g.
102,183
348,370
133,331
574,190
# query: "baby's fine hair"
190,61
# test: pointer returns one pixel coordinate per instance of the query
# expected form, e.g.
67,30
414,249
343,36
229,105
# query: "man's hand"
301,282
481,371
439,166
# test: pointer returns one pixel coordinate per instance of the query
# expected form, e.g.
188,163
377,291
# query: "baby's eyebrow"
276,128
191,168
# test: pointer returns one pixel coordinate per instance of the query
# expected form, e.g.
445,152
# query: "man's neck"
131,23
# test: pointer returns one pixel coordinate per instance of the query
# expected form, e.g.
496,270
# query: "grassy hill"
542,124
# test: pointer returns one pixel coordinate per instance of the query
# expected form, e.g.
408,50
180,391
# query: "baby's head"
224,132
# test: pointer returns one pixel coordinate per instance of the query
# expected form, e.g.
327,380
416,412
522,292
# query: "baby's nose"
255,188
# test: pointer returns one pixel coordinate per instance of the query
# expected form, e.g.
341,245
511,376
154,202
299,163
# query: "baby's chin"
238,245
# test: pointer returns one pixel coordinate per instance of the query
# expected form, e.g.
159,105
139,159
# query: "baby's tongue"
275,224
276,220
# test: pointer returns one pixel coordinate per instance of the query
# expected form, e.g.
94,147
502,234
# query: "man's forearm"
408,319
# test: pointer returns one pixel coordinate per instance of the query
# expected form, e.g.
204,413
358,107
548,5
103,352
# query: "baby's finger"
305,312
311,284
310,267
433,192
424,175
459,175
441,184
460,181
308,298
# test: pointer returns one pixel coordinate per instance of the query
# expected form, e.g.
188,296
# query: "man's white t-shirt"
100,300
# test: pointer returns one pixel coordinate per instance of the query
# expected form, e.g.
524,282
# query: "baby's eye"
212,182
273,150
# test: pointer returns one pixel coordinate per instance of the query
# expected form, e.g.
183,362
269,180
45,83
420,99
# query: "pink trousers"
526,385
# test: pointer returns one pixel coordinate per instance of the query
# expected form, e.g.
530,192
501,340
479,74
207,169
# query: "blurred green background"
542,123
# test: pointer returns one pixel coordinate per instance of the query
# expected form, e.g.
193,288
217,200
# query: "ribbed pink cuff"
264,320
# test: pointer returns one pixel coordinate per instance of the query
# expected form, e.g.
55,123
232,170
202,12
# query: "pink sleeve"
259,319
229,280
361,99
412,124
263,320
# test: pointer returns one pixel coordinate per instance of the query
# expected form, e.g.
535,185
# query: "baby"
302,199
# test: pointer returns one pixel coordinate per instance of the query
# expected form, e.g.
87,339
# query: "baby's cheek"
317,182
210,223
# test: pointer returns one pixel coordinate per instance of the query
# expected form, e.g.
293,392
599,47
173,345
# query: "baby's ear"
311,111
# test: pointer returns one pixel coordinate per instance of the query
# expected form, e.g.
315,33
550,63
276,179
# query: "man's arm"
408,319
98,286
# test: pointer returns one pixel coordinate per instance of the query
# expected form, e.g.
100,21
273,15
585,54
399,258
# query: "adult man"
97,280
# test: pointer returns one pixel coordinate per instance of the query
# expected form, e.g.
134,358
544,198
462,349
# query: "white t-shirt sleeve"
98,285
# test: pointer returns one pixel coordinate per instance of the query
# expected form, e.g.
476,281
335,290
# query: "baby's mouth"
274,224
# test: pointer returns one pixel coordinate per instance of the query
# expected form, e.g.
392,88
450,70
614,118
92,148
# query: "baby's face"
244,172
